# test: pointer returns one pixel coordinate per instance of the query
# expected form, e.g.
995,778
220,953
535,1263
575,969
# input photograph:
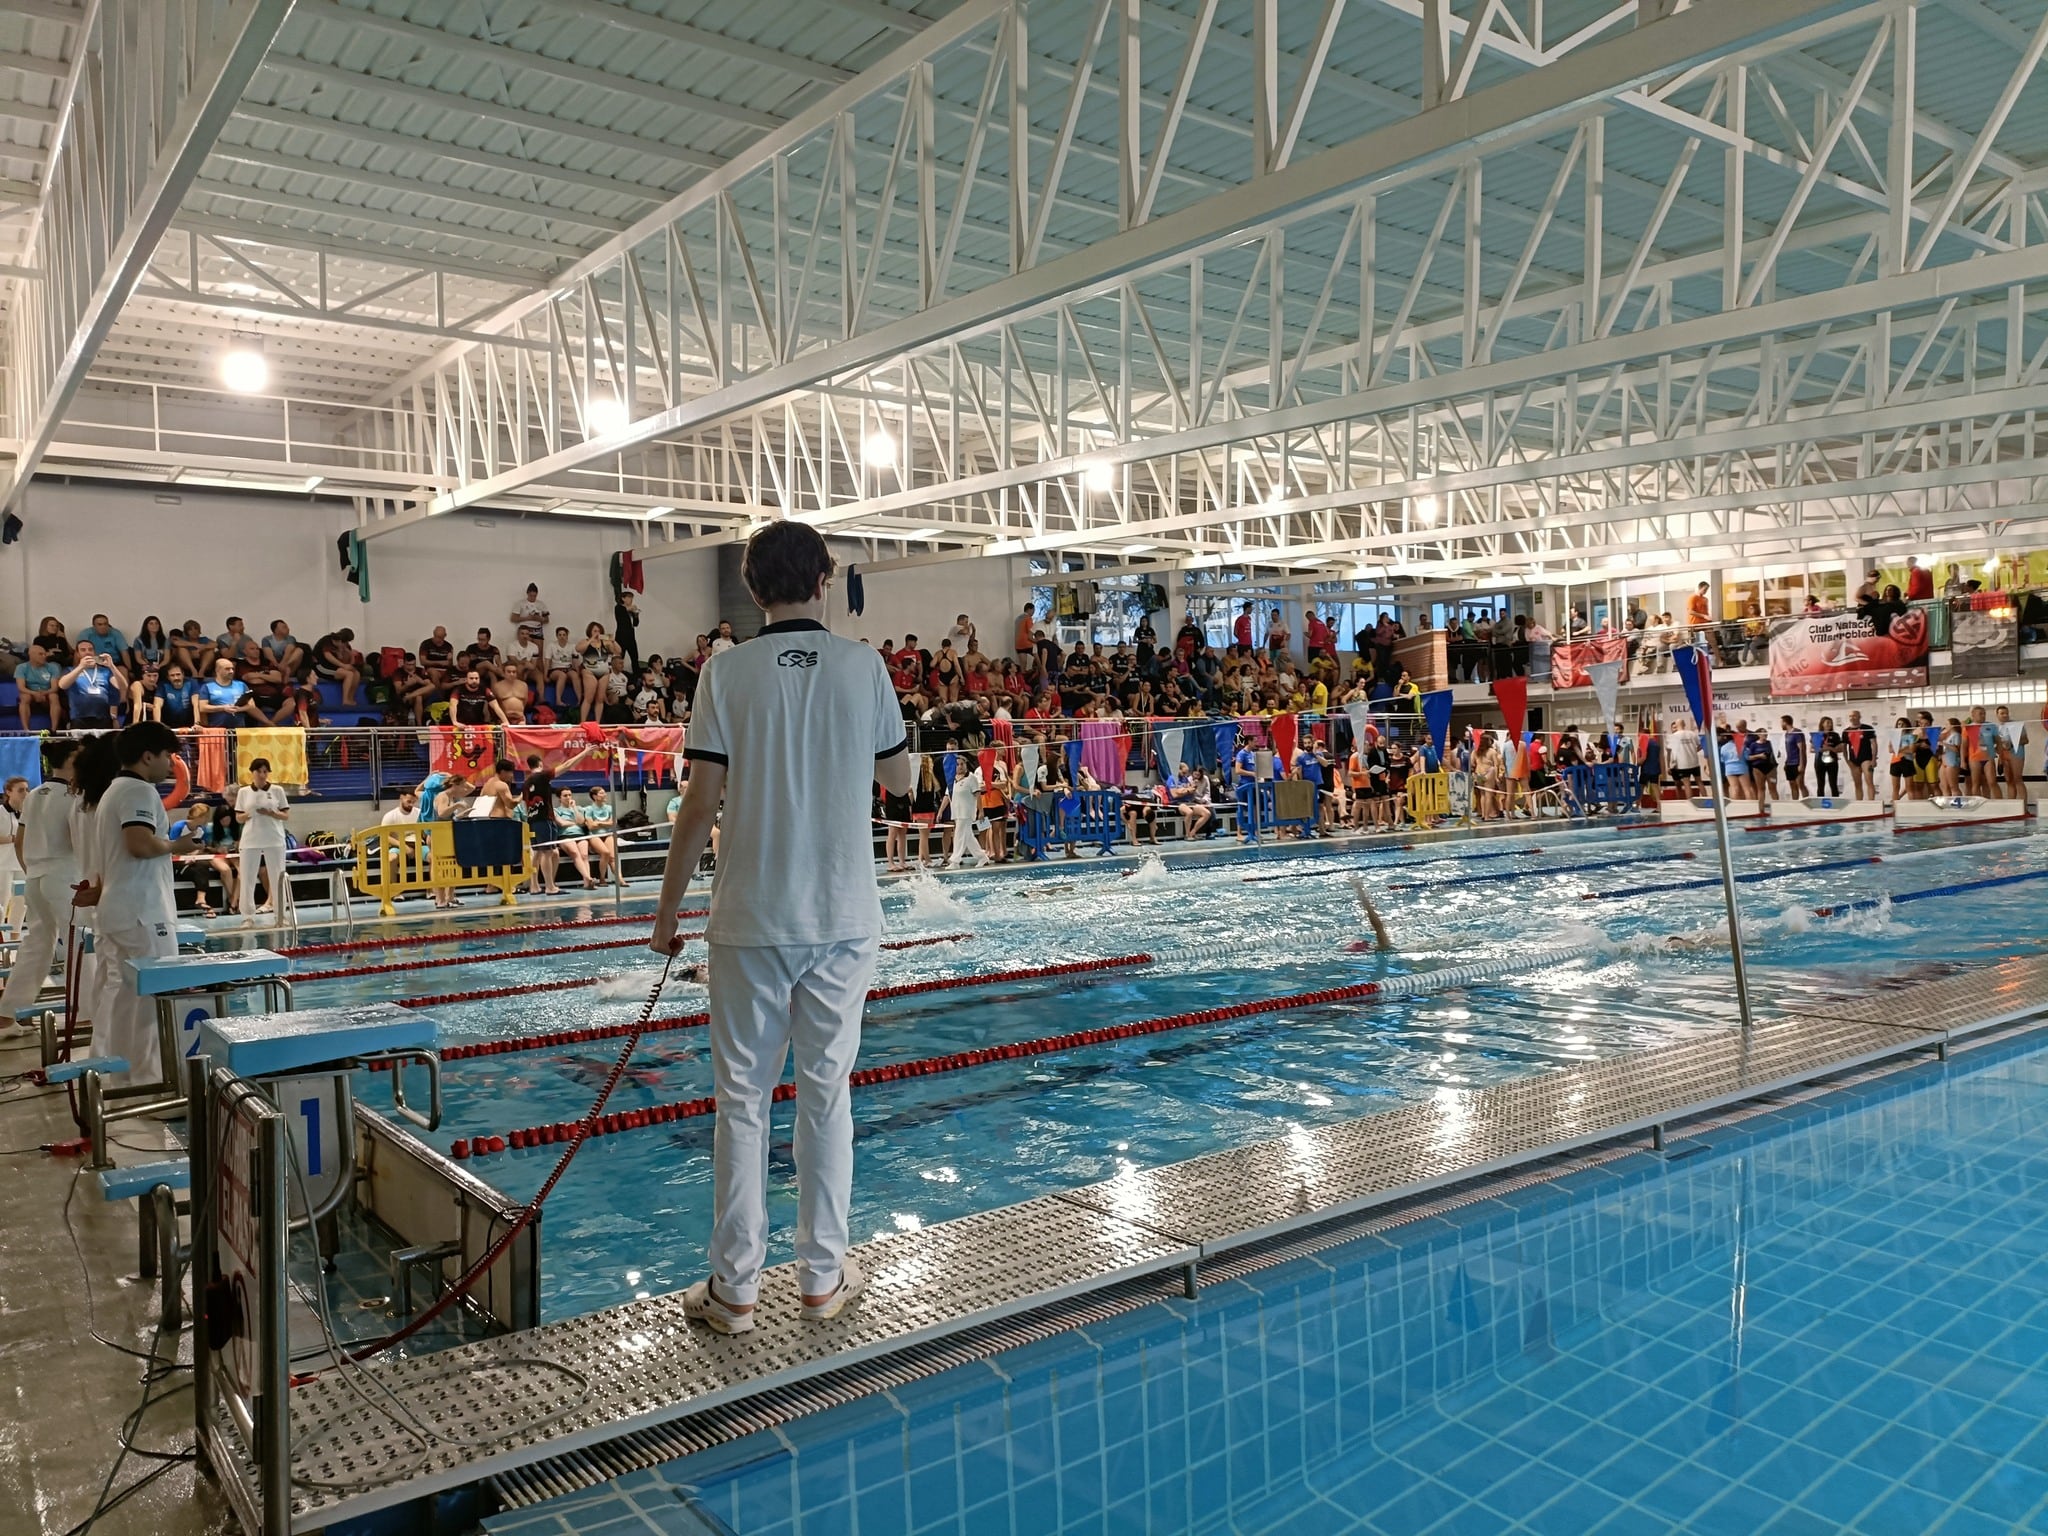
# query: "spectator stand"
1094,816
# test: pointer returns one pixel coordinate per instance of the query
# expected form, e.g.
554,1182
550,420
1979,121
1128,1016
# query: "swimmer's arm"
690,836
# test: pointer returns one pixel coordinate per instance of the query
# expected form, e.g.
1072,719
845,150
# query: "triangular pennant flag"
1286,730
948,766
1695,672
1605,676
1436,714
1027,755
1512,694
1074,762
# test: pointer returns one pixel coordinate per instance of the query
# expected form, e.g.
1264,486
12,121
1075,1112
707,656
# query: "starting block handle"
68,1071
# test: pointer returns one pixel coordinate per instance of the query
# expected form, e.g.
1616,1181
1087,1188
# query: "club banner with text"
1840,651
1569,659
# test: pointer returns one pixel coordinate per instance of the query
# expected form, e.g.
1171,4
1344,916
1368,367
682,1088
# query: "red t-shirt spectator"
1241,631
1919,584
1318,635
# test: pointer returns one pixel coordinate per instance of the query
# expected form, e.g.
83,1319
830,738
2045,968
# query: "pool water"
1830,1317
633,1214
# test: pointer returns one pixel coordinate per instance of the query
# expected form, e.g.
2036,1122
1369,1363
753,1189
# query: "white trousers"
123,1021
763,1001
269,856
49,918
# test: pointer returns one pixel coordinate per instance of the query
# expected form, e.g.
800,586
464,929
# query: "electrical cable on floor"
92,1326
107,1501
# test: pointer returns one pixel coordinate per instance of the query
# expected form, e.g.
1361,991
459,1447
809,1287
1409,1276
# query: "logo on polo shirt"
797,659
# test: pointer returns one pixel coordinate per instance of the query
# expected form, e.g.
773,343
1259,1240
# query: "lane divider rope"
1561,869
1417,983
486,994
1455,858
1751,877
561,1037
432,961
410,940
1902,898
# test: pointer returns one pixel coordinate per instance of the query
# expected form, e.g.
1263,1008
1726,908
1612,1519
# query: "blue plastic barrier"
1086,816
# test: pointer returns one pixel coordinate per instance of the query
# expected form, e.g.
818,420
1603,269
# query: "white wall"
116,549
925,600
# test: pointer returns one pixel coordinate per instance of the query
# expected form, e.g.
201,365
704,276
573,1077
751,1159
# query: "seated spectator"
151,647
192,650
56,647
599,837
176,695
274,697
485,657
335,661
93,690
233,640
111,644
283,650
437,656
143,694
224,700
35,680
565,670
522,660
411,690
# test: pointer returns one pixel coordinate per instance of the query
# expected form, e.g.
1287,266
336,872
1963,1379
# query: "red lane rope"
485,994
408,940
928,1066
592,1033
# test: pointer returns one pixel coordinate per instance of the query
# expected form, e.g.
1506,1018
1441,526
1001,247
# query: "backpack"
633,819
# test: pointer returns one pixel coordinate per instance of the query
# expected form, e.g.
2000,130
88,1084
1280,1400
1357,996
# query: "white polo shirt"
46,829
261,831
135,894
798,718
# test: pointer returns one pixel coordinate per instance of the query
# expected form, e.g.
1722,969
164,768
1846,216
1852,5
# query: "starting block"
1818,811
1689,811
1954,811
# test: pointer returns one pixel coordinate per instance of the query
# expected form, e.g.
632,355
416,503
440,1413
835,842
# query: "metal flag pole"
1713,749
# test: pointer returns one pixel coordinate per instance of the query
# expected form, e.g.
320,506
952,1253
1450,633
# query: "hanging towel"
284,746
856,593
213,760
1099,752
21,756
492,844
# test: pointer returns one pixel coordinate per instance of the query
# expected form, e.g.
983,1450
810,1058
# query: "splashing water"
1151,871
932,905
626,984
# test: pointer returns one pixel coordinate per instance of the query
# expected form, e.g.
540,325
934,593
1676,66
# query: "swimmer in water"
1381,941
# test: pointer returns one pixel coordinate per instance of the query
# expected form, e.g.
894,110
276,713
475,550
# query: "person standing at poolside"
789,732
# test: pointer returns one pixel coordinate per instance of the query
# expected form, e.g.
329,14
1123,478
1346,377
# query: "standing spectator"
35,681
962,634
43,849
334,661
264,811
626,630
472,701
1697,610
1241,630
1919,584
282,650
530,610
537,795
92,689
225,699
723,640
150,647
437,656
1025,642
598,656
1795,758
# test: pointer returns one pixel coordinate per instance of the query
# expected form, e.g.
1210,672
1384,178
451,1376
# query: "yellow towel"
286,749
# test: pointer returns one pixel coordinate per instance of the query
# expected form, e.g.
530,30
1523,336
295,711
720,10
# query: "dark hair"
139,740
503,765
533,761
58,751
784,563
97,765
259,765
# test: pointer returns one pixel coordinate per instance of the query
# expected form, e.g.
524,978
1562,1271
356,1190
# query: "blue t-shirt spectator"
35,677
108,642
176,699
91,694
226,695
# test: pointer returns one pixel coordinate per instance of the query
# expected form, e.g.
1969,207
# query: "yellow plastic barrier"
1429,797
420,856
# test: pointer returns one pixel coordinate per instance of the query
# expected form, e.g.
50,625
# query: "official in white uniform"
790,731
264,811
136,914
50,863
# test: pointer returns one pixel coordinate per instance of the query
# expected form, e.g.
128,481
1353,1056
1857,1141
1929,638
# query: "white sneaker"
852,1281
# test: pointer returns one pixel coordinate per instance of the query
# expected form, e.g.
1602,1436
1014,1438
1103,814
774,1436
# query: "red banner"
1569,659
1842,651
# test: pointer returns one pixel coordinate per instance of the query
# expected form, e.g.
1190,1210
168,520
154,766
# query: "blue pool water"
634,1212
1831,1317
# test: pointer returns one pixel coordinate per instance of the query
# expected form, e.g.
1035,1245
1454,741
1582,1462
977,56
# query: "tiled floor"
1833,1317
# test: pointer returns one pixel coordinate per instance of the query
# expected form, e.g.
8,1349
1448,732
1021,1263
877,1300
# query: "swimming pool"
1822,1318
632,1216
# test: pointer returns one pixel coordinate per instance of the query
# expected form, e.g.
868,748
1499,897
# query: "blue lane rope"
1565,869
1901,898
1453,858
1753,877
